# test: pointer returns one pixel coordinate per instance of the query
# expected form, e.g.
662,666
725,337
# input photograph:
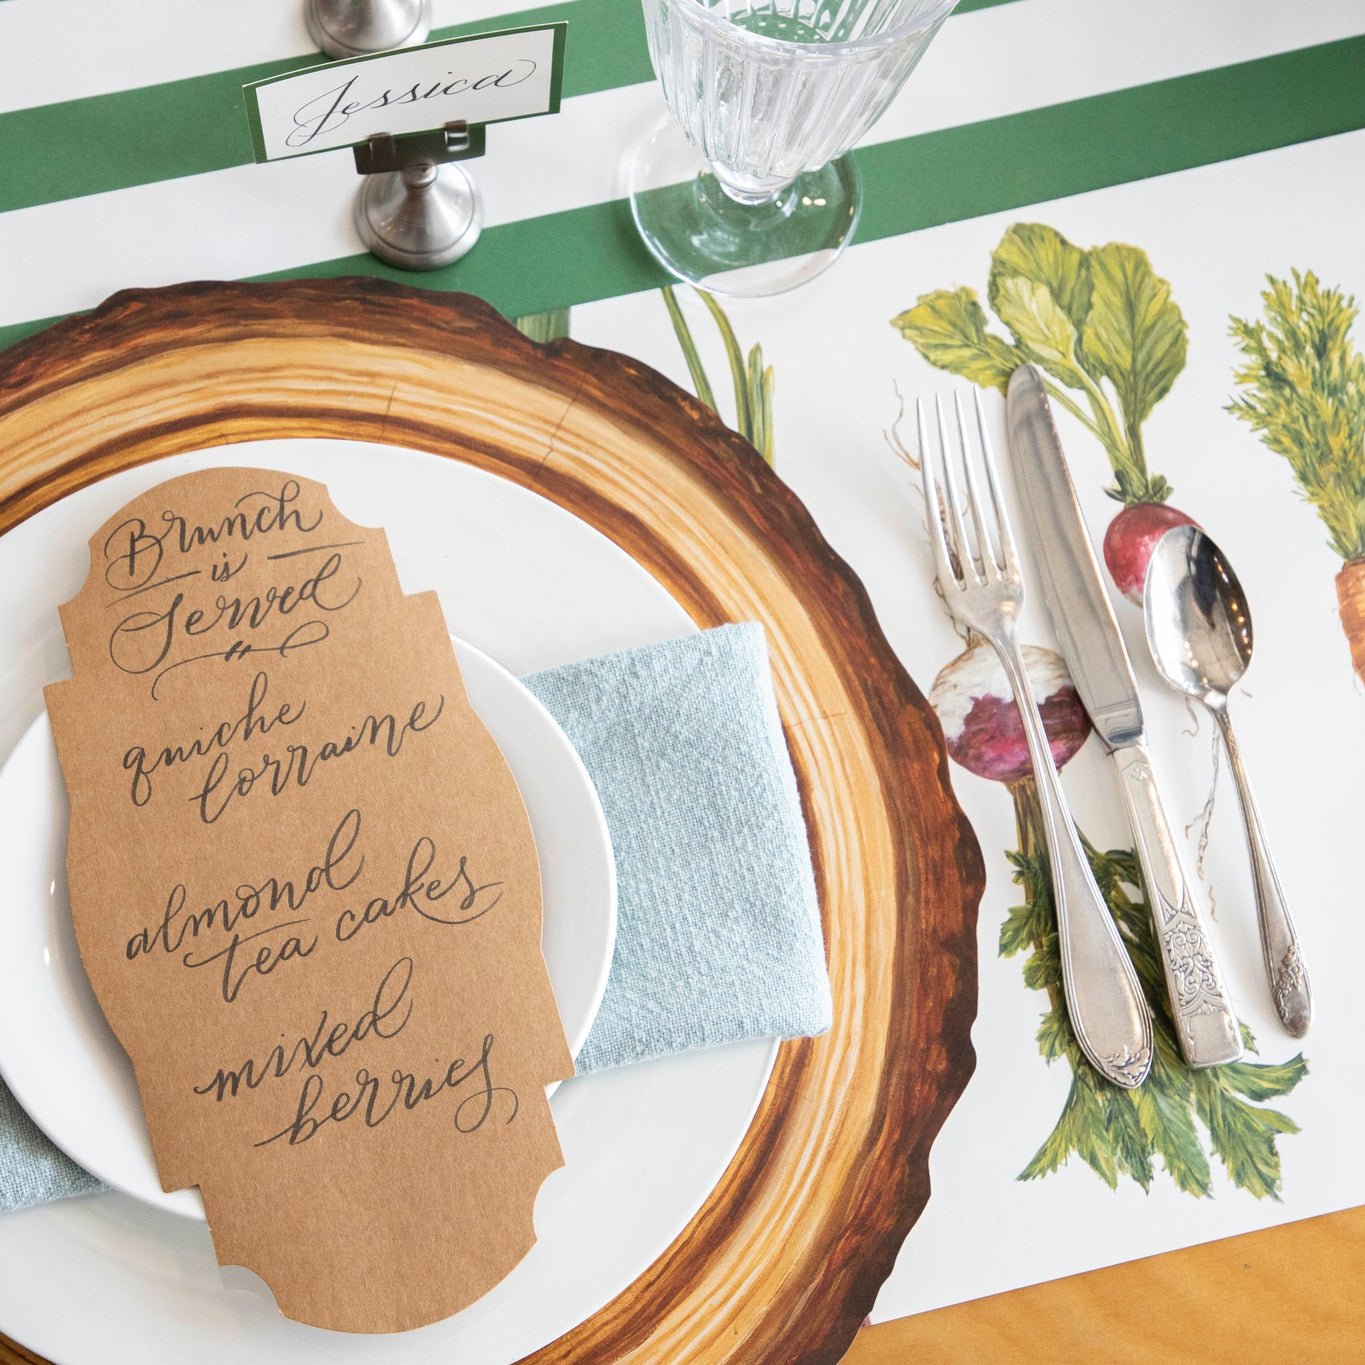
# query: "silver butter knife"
1083,619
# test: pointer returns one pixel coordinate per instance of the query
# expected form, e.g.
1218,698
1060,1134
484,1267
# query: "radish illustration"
1130,539
1102,327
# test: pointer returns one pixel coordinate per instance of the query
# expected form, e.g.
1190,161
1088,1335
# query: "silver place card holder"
356,28
417,210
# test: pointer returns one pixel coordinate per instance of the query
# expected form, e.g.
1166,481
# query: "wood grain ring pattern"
784,1259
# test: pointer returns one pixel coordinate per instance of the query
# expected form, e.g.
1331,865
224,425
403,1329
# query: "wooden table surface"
1285,1293
1300,1284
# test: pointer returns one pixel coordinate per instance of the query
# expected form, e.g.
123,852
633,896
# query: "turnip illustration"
1103,328
981,724
1118,1133
1302,385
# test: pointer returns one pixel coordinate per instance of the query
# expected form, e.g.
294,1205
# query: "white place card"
487,78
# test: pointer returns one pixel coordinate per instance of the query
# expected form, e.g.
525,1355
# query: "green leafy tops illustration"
1100,323
1180,1115
1303,391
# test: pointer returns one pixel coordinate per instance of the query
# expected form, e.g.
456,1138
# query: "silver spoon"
1199,630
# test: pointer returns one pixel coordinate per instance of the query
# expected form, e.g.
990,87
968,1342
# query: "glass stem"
749,193
750,199
750,209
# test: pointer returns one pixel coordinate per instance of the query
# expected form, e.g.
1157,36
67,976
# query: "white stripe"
254,219
54,50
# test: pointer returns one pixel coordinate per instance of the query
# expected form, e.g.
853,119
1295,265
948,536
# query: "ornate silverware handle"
1284,965
1205,1025
1103,998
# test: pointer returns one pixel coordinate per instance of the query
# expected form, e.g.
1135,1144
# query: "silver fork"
984,589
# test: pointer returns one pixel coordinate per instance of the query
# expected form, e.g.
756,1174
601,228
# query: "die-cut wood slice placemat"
306,893
783,1261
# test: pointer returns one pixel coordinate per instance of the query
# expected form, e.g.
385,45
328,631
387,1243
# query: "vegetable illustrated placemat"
1205,365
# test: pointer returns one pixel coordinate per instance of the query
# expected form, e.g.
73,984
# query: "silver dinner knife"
1083,618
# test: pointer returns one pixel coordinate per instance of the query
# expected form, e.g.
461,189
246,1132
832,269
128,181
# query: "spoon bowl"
1197,618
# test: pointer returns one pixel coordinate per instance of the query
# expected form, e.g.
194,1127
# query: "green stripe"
188,127
1006,163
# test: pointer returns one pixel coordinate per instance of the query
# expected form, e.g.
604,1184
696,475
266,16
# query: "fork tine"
990,563
956,525
1002,520
942,559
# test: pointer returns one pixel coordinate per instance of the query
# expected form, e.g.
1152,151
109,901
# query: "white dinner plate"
108,1279
61,1059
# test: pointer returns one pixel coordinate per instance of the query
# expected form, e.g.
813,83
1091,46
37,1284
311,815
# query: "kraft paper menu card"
306,893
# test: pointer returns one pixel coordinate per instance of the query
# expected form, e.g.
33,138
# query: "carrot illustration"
1351,606
1302,387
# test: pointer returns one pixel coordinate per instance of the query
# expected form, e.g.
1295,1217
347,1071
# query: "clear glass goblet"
746,189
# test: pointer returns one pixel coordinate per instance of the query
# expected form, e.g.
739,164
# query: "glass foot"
703,236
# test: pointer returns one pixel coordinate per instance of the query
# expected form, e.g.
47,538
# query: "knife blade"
1068,571
1092,645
